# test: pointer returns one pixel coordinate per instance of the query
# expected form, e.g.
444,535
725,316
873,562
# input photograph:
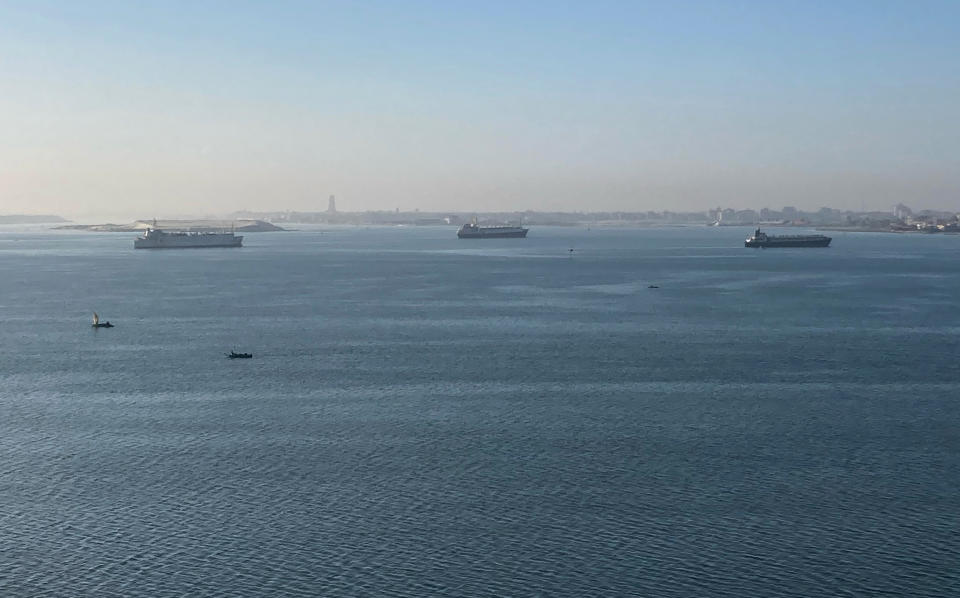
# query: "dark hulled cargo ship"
475,231
761,239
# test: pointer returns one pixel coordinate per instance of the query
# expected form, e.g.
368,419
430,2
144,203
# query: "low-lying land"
199,226
30,219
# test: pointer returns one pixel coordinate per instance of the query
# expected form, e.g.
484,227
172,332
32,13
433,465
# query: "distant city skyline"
129,111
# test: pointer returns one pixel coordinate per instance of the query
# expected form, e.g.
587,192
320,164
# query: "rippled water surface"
430,416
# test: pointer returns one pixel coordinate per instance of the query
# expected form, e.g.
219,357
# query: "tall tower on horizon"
332,205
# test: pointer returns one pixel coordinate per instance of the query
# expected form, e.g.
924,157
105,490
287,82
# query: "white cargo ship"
155,238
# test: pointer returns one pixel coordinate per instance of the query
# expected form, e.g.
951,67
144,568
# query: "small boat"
235,355
653,286
98,324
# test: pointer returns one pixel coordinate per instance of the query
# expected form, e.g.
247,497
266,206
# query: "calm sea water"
430,416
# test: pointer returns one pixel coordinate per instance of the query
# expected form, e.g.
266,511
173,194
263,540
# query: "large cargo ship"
760,239
475,231
155,238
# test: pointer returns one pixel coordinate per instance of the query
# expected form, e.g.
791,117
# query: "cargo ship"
475,231
155,238
761,239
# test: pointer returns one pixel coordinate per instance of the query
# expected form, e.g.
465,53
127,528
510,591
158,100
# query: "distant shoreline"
31,219
251,225
244,225
852,229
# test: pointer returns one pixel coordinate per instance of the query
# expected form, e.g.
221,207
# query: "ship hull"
492,234
189,242
770,243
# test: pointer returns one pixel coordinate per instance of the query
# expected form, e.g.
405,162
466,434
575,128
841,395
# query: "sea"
585,412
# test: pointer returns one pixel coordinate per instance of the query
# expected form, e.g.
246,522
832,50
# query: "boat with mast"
98,324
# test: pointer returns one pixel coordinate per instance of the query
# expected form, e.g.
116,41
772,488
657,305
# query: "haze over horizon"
178,108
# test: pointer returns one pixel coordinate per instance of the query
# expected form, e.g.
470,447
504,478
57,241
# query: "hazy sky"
167,108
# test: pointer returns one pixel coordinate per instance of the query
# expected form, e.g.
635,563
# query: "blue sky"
204,107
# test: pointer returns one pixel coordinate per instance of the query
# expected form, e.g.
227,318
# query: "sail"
96,319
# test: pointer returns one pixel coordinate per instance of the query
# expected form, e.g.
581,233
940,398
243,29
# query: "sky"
137,109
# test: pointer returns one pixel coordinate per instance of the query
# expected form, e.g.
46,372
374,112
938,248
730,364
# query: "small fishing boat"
235,355
98,324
